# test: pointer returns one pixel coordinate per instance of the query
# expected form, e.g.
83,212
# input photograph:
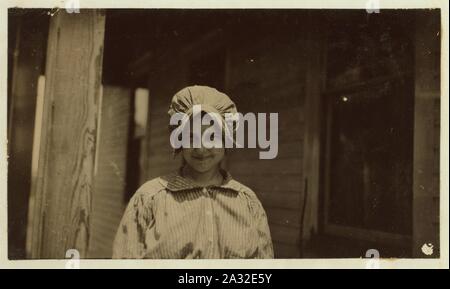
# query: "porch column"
68,136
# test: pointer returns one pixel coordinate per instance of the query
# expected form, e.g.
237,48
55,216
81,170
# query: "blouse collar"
175,182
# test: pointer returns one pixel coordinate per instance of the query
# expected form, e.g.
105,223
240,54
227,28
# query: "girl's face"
203,159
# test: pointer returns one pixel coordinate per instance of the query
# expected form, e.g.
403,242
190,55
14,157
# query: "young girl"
199,211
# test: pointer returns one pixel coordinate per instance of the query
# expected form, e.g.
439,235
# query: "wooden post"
313,113
68,136
426,134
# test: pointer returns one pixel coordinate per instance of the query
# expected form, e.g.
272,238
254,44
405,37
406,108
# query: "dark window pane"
370,92
371,158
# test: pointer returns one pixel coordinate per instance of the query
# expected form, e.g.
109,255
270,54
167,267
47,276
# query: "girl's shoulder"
147,191
152,186
156,186
246,191
241,188
253,201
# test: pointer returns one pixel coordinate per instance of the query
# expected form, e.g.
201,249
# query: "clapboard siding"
284,234
162,86
160,159
285,251
270,184
283,216
281,199
273,82
274,167
109,193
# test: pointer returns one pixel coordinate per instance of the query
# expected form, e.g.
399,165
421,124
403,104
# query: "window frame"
328,227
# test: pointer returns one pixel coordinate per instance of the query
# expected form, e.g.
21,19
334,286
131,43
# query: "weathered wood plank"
426,134
69,131
312,137
273,184
281,199
285,234
275,166
110,179
286,251
286,217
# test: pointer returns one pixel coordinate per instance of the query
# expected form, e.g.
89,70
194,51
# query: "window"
369,96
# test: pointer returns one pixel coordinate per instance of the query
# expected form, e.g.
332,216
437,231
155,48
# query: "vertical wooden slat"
313,113
108,200
67,154
29,54
426,134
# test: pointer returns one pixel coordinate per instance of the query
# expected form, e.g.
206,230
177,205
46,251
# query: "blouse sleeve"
129,242
265,241
265,246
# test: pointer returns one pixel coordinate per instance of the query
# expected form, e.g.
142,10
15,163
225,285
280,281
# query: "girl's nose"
200,151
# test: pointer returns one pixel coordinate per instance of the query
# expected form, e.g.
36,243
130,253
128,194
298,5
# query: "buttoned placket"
209,221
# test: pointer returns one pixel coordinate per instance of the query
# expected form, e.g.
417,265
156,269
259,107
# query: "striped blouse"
172,218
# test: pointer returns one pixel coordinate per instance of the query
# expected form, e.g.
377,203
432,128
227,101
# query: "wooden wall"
267,74
157,152
108,199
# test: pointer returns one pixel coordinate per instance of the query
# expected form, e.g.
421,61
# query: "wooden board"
69,131
426,209
108,200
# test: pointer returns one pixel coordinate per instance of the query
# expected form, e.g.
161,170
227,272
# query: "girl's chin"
201,169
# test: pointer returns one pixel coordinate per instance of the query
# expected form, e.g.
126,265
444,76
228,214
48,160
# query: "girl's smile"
202,157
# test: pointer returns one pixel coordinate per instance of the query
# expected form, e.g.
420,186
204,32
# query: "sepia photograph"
257,133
